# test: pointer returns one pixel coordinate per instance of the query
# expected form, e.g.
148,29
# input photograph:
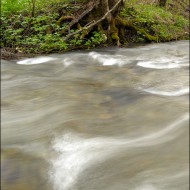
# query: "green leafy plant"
95,39
32,35
156,21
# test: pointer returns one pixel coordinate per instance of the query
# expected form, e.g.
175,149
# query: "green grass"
157,21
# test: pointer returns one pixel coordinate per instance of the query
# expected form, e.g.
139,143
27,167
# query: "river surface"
105,119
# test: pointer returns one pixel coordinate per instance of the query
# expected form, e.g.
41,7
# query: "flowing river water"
106,119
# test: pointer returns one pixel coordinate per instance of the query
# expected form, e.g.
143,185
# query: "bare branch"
87,27
88,8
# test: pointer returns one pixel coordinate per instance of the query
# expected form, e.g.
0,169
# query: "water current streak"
76,153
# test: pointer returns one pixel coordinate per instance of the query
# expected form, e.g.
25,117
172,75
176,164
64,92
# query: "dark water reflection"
104,120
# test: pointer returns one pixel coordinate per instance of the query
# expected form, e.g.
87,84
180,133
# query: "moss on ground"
156,24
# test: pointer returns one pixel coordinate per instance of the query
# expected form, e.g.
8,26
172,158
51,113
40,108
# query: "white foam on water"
146,187
162,63
179,92
67,62
75,153
108,60
37,60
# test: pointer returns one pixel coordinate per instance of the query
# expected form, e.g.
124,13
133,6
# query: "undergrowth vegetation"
158,22
30,29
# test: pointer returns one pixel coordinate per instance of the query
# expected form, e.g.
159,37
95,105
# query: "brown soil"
12,54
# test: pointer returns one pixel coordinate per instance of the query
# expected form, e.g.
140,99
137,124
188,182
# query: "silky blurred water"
107,119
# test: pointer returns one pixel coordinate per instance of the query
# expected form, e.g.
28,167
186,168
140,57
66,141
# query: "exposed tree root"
129,24
83,11
96,17
112,30
63,18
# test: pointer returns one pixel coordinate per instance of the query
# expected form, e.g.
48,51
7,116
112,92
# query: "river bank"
14,54
45,31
